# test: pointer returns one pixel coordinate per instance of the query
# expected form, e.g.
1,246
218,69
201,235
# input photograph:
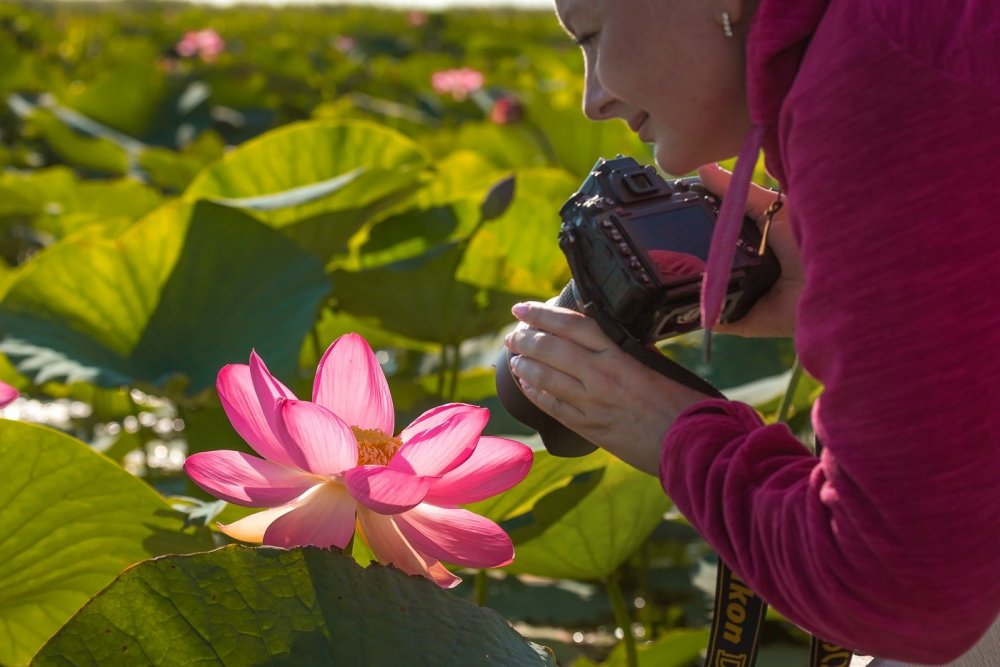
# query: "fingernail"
515,361
519,309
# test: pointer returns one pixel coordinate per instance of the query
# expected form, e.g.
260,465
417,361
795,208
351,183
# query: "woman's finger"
563,322
555,354
716,180
558,393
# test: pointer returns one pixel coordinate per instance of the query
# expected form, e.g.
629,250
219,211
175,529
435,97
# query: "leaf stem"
454,370
622,618
442,371
317,345
788,398
480,588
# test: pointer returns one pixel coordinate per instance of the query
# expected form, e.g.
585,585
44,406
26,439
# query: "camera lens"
558,440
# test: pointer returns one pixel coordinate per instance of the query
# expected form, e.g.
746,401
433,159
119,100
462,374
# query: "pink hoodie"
881,118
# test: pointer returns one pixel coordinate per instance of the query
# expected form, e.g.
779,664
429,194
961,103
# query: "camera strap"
738,616
739,613
738,622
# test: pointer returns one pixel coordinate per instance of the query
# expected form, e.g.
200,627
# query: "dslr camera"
637,245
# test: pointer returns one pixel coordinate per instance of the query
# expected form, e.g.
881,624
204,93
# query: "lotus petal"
496,465
387,542
7,394
350,383
239,400
247,480
326,445
385,490
456,536
252,528
444,446
324,519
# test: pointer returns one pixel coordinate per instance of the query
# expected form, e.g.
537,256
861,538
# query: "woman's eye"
586,39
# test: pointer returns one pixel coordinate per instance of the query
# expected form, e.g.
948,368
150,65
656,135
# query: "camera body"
637,245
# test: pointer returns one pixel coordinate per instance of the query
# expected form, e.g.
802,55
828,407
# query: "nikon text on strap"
736,623
738,620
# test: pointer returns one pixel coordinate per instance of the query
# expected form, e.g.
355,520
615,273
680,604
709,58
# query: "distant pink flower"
416,18
207,44
7,394
458,83
506,110
344,43
332,463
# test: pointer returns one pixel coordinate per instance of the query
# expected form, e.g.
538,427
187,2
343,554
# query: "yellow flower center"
375,447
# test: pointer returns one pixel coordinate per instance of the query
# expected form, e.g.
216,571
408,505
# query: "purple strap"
727,230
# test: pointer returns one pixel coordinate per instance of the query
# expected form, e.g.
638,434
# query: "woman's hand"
774,314
572,371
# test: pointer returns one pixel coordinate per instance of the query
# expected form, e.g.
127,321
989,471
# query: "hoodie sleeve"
888,543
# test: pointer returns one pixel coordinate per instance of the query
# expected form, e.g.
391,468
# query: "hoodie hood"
779,35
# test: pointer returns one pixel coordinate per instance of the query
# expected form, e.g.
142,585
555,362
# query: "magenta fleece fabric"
881,119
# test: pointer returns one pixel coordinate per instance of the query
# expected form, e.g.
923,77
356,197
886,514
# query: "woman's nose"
598,104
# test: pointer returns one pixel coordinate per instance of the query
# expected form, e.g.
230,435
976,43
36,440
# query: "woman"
881,121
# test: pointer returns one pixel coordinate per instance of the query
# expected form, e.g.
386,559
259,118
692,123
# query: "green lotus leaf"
548,473
301,170
125,91
520,249
587,528
307,606
182,292
70,521
511,146
575,142
419,298
100,154
60,203
433,288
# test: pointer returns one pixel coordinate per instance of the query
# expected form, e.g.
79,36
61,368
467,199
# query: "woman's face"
665,68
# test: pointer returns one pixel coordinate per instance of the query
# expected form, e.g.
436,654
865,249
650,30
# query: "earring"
727,25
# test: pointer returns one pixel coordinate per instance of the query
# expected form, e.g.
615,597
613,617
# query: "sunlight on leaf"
70,521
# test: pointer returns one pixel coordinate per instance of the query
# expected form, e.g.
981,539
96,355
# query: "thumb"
716,180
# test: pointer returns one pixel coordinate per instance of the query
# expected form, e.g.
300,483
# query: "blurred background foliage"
181,185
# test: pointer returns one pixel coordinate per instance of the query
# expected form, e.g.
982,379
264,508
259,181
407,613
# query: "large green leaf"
548,473
421,298
125,92
100,154
520,249
304,169
425,284
573,141
589,527
70,521
58,191
181,293
248,606
60,204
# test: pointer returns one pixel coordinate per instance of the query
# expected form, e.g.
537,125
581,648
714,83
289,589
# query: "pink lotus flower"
458,83
332,463
7,394
207,44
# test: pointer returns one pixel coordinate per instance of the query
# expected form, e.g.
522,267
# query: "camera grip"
557,438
